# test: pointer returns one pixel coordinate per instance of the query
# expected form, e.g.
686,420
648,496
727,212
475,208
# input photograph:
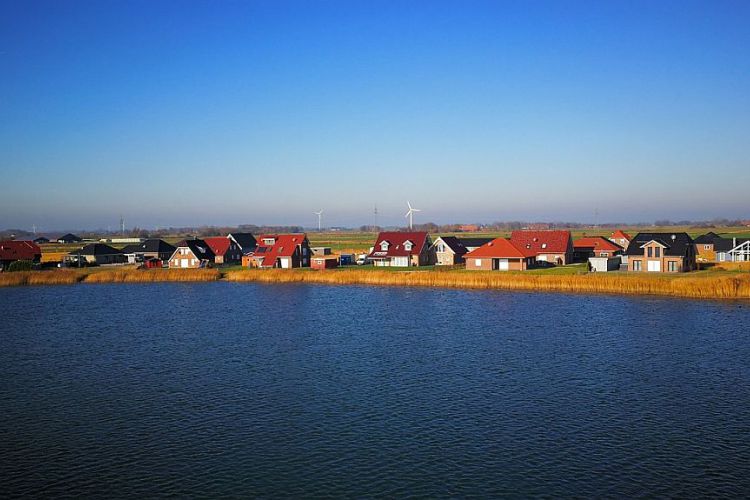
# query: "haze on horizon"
190,113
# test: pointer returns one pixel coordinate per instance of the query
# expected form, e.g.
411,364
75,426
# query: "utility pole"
122,226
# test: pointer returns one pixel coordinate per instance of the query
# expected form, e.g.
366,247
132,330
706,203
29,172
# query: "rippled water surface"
290,390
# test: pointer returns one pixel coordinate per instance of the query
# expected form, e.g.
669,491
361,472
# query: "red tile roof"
396,242
620,234
284,246
597,243
218,244
501,248
541,242
19,250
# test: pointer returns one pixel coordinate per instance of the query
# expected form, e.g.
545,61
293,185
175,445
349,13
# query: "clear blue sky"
181,113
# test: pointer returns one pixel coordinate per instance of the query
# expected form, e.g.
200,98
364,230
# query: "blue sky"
187,113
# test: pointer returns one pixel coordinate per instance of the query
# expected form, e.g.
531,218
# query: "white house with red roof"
226,250
283,251
500,254
402,249
552,246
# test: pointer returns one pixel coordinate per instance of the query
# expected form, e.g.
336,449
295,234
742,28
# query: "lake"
226,389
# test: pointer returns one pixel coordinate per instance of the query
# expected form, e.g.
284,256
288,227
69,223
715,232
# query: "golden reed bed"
704,285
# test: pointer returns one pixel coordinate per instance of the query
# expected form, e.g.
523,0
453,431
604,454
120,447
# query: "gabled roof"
219,244
542,241
199,248
596,243
620,234
97,249
396,242
150,246
246,241
709,237
453,243
41,239
19,250
675,244
69,237
284,246
727,244
501,248
474,242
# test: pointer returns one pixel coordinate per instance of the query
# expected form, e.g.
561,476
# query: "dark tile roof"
726,244
675,244
246,241
199,248
150,246
454,244
706,238
69,238
474,242
97,249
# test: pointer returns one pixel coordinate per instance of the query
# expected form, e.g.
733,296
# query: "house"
450,250
226,250
153,248
397,249
594,246
324,262
41,240
69,238
246,241
191,254
661,252
12,251
621,238
552,246
501,254
284,251
469,228
732,249
96,254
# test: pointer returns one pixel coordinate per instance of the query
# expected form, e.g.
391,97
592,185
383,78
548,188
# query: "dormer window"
544,245
407,245
384,246
269,241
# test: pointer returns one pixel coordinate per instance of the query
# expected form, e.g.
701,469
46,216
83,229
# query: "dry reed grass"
152,275
58,277
704,286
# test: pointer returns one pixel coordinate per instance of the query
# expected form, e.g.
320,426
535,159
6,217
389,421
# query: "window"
672,266
544,245
407,246
478,262
650,252
657,252
636,265
706,247
384,246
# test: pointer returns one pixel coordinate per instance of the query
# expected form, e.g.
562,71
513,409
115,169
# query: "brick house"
594,246
450,250
226,251
501,254
402,249
191,254
283,251
551,246
661,252
621,238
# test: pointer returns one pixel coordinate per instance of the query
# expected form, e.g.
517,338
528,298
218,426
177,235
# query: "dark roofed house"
191,254
12,251
246,241
41,240
96,254
661,252
450,250
149,249
69,238
225,249
552,246
705,247
732,249
402,249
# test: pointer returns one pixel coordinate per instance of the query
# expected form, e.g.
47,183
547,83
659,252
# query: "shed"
324,262
604,264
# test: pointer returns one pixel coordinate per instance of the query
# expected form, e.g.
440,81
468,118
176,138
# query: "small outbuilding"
324,262
604,264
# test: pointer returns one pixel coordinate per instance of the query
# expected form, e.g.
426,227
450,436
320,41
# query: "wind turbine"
319,214
410,214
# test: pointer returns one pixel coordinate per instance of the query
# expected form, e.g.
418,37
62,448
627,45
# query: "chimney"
734,242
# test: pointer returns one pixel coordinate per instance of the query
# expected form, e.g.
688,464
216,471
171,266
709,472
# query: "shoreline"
720,286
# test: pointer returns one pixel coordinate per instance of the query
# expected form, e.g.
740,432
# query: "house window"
650,252
706,247
478,262
636,265
672,266
544,245
384,246
407,246
657,252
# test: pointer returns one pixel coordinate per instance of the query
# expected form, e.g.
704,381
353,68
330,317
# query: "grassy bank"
719,283
706,285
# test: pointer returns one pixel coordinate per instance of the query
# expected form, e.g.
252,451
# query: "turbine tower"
410,214
320,216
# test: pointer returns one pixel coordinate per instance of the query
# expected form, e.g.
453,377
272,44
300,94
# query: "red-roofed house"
500,254
555,247
226,251
11,251
621,238
594,246
283,251
397,249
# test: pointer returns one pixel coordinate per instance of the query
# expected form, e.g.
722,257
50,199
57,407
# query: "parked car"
362,259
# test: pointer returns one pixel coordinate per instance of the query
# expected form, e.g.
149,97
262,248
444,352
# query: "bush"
21,265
